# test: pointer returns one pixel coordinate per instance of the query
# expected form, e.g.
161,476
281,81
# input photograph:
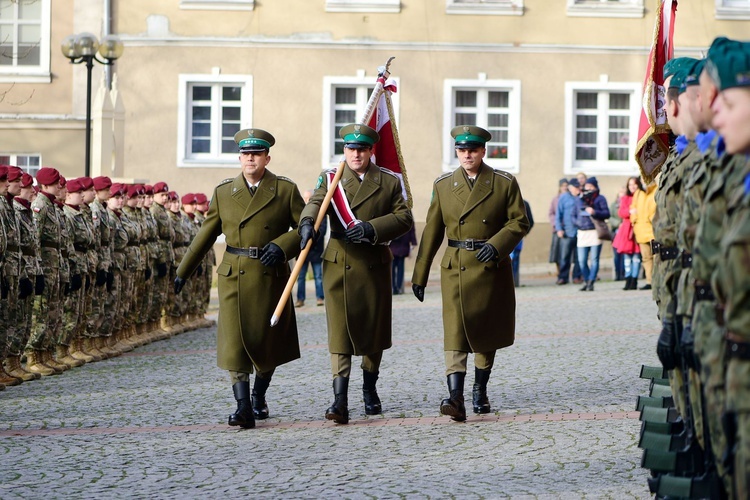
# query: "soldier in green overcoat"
368,211
482,212
255,212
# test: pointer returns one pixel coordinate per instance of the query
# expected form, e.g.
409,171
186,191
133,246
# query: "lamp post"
82,48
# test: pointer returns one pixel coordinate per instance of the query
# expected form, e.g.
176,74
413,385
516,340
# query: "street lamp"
82,48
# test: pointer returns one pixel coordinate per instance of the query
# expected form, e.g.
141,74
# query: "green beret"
693,72
358,136
720,45
677,64
470,136
254,140
729,66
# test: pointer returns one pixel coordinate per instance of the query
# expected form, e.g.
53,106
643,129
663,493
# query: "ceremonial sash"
341,204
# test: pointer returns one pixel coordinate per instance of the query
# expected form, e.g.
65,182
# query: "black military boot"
628,283
479,393
260,408
370,394
244,414
339,410
454,405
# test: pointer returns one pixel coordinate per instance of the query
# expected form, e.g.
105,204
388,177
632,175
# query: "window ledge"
605,10
18,77
732,13
509,8
207,163
217,4
376,6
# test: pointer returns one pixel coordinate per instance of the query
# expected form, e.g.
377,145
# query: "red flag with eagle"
653,131
387,152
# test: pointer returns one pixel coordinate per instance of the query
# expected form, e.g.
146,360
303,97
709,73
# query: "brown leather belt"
250,252
470,244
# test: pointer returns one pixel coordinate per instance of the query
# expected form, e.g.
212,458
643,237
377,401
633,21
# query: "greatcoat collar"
252,204
469,197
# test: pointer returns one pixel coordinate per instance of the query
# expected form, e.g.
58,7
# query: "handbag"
602,229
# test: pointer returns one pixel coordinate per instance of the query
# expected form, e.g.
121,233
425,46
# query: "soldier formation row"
702,266
85,269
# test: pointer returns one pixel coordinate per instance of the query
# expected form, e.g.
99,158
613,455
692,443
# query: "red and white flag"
653,130
387,152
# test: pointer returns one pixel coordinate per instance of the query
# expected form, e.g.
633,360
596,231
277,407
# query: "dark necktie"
471,182
253,189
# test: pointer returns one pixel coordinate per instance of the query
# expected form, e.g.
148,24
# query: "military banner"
653,131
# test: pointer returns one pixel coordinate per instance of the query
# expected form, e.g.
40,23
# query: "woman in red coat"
624,241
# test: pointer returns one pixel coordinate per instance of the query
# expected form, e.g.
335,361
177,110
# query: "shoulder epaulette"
225,181
502,173
444,176
387,171
282,178
329,171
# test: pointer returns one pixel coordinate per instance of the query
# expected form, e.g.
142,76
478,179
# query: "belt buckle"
252,252
470,244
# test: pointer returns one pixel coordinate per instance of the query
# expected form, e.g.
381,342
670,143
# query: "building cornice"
47,121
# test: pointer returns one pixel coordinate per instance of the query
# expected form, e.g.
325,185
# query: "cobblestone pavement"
152,423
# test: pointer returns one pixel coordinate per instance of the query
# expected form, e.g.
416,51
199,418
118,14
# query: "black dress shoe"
645,287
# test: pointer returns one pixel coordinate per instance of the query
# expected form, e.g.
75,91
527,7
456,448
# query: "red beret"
200,198
188,199
134,190
26,180
63,181
3,172
115,189
173,196
86,182
102,182
47,176
14,173
74,186
148,189
161,187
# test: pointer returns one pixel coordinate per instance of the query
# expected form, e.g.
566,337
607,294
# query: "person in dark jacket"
314,259
566,229
401,249
591,205
515,255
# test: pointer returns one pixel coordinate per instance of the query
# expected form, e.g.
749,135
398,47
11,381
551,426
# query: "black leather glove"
418,291
76,282
361,233
101,277
161,269
25,288
307,232
271,255
110,281
199,271
39,285
687,346
487,253
665,345
178,284
147,274
4,288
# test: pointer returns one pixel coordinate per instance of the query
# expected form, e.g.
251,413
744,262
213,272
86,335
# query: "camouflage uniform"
164,259
181,242
102,233
208,271
69,268
86,325
11,275
31,268
731,284
194,296
152,244
132,277
83,239
114,309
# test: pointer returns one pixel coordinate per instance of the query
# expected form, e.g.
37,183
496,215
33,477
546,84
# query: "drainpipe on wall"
106,30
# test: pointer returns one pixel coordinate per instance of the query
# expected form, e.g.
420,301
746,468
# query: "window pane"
344,116
5,160
621,138
28,10
231,93
586,100
7,12
586,121
618,154
231,113
229,129
7,38
338,148
619,101
346,95
29,38
497,152
498,99
466,98
619,122
201,129
201,146
585,153
497,120
201,113
201,93
228,146
466,118
585,137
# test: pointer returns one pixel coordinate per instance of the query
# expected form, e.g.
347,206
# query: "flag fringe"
397,143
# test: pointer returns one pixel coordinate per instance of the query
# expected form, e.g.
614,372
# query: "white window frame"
13,160
512,164
732,10
485,7
606,8
184,158
330,83
41,72
601,167
372,6
217,4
